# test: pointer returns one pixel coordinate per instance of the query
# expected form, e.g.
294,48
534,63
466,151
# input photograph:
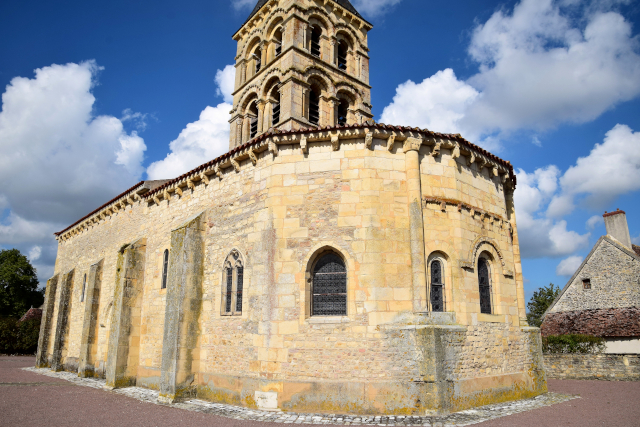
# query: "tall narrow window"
257,56
329,294
343,110
485,286
314,107
165,268
275,106
229,294
342,55
84,287
278,37
276,113
233,285
437,286
254,127
316,33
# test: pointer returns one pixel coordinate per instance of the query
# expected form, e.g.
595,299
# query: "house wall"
615,282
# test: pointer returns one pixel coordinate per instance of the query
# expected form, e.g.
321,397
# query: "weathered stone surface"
88,347
124,335
47,320
184,305
61,331
611,367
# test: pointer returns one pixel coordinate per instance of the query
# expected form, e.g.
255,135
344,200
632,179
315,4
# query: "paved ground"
28,398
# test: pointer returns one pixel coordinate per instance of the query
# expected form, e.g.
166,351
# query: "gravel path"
27,397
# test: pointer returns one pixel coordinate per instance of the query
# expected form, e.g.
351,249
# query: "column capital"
412,144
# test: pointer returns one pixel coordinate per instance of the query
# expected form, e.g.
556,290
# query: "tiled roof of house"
607,322
636,249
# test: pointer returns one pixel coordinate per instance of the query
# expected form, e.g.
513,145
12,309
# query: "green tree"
18,284
540,302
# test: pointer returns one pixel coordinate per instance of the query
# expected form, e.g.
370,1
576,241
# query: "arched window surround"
233,284
485,276
311,261
443,285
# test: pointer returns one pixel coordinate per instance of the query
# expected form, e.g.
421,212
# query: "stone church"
325,263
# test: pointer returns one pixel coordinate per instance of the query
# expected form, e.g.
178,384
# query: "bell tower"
300,64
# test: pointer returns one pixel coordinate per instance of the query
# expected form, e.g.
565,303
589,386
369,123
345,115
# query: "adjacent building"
603,296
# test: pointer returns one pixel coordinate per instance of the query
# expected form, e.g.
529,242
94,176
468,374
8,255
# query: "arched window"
484,283
343,48
257,56
233,285
314,107
343,110
165,268
275,114
278,37
329,287
437,286
253,114
84,287
316,33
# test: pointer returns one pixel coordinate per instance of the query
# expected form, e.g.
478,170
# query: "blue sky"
133,90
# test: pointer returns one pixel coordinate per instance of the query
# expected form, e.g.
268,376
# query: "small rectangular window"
586,283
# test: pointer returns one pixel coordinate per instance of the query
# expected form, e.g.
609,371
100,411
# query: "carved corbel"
435,152
335,142
303,144
412,144
235,165
472,158
273,147
216,170
390,142
495,171
204,178
165,195
368,139
456,152
156,200
190,184
178,191
253,157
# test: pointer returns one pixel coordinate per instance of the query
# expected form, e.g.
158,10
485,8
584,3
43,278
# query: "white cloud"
59,159
201,141
34,253
540,236
226,80
636,240
138,119
569,266
374,8
546,196
540,65
438,103
594,221
242,4
610,170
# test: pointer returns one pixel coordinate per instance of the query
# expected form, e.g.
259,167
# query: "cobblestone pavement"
464,418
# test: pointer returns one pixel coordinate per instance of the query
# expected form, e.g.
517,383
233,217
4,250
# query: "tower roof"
344,3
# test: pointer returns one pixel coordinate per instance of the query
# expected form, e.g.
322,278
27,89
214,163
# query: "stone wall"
279,214
615,280
605,322
611,367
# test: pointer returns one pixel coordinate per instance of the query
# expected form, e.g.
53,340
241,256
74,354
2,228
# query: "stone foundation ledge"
464,418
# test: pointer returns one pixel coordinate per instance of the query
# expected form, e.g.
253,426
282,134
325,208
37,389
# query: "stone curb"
464,418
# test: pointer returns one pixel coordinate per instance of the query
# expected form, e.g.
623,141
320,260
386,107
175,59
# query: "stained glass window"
485,286
437,287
